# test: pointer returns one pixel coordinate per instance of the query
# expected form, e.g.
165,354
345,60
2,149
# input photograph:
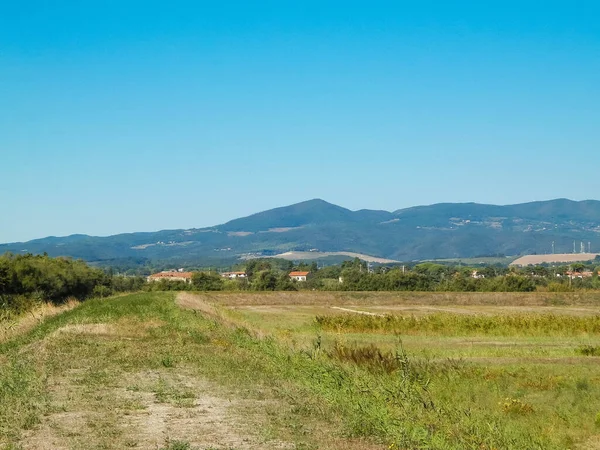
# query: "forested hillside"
424,232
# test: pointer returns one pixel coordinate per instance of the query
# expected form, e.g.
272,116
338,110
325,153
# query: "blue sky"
122,116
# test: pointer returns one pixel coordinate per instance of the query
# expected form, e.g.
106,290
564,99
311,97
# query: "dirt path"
355,311
149,409
188,409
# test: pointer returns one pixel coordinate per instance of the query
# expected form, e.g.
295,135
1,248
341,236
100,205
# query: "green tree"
284,283
203,281
265,280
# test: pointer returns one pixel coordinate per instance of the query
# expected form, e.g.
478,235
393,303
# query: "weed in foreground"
177,445
166,393
168,361
397,361
516,406
589,350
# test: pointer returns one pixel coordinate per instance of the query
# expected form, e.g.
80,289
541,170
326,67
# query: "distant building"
171,275
584,274
233,275
477,275
299,276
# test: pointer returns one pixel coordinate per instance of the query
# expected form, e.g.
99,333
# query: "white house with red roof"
171,275
299,276
233,275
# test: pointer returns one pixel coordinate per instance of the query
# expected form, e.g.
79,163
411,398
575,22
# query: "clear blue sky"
121,116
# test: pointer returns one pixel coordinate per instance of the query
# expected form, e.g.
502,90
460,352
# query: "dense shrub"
54,279
203,281
29,279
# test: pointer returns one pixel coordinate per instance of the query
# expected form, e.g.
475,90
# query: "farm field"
295,256
307,370
523,367
553,258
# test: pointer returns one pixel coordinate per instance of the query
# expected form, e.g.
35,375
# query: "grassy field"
307,370
447,370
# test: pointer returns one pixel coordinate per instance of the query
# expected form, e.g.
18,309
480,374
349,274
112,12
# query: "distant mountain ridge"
444,230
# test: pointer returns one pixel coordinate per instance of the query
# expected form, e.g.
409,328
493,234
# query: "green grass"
502,381
329,386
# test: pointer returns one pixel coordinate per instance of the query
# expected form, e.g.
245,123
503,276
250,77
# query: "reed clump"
455,324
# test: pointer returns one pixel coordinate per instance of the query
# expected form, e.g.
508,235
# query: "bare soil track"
209,419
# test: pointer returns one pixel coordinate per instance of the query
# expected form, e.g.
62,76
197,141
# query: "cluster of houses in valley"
180,275
574,274
570,274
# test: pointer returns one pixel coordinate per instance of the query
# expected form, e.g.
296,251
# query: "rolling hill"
444,230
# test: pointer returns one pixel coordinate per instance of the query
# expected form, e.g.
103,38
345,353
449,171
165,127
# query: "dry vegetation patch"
12,328
178,407
147,410
396,299
197,303
99,329
94,404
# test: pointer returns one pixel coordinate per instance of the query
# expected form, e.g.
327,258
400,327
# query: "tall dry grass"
454,324
311,298
12,326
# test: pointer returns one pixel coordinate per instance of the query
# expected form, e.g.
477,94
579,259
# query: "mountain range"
445,230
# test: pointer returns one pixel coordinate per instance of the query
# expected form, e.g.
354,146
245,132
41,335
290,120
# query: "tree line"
29,279
356,275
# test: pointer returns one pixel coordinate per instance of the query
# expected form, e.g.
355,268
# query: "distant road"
557,258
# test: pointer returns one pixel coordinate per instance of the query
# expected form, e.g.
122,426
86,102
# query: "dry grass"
200,304
146,410
21,325
397,299
555,258
197,303
98,329
445,324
